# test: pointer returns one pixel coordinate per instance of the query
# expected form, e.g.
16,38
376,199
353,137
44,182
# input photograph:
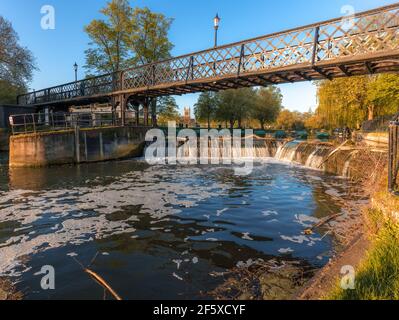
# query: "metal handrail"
47,122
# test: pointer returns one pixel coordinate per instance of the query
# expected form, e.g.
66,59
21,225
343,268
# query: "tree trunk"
371,112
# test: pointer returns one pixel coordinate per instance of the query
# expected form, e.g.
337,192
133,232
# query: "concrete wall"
70,146
4,136
376,139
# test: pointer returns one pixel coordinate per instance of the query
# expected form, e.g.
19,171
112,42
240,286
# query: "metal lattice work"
367,43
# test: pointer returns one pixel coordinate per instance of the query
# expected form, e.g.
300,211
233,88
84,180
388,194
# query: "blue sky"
57,50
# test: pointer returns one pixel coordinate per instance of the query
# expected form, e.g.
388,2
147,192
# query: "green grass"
377,277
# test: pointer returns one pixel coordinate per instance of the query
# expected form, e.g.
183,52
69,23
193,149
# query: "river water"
158,232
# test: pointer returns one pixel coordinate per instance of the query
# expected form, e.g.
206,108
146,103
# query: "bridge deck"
366,44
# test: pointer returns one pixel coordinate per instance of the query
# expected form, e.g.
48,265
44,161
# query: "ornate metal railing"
82,88
363,37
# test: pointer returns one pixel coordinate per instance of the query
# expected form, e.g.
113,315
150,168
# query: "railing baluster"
315,44
242,53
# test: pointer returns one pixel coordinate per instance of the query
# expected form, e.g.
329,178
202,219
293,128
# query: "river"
159,232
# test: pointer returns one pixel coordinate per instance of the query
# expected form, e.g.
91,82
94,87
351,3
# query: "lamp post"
75,67
216,22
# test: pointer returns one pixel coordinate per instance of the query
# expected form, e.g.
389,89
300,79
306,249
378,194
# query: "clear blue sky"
57,50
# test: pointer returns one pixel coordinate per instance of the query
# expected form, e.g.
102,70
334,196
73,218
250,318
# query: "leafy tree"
267,105
206,107
383,95
16,64
314,122
234,105
149,40
168,109
127,37
343,102
289,120
350,101
108,50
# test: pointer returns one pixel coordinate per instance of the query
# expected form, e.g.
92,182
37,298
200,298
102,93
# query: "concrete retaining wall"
4,136
375,139
76,146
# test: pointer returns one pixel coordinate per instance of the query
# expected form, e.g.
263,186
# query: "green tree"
108,50
289,120
149,40
205,108
16,64
234,105
168,109
267,105
383,95
343,102
127,37
350,101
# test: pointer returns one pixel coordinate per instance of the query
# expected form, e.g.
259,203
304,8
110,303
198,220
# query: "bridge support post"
154,112
122,103
146,113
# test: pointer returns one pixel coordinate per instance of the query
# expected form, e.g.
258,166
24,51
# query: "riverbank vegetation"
377,276
347,102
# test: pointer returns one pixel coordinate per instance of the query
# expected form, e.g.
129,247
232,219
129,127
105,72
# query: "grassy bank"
377,276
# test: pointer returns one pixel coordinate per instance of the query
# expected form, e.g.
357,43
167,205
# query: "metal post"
315,44
77,143
123,109
241,59
393,165
34,125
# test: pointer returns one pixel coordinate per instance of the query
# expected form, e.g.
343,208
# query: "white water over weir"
317,155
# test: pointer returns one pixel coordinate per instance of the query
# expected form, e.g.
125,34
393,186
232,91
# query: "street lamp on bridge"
75,67
216,22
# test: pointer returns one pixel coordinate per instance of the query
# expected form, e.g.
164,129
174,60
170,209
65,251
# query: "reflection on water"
161,232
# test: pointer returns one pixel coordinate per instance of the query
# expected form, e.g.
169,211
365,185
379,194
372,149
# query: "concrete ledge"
70,146
375,139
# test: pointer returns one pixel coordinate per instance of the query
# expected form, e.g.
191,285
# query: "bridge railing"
56,121
82,88
365,35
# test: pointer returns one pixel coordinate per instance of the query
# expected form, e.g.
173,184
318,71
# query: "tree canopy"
206,106
350,101
168,110
267,105
235,107
126,37
16,64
